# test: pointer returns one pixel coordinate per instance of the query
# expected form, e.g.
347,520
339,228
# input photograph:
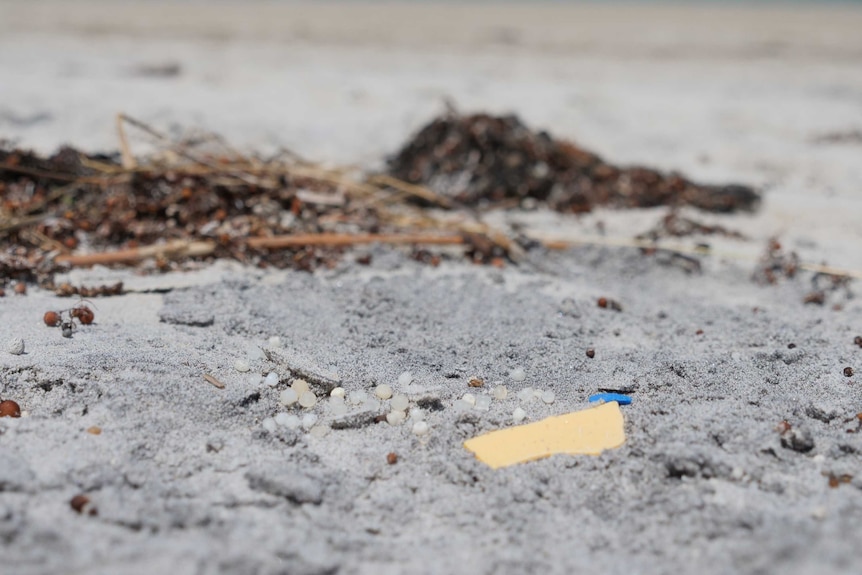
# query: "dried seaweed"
484,160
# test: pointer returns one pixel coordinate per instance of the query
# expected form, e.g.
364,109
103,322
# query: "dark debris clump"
492,160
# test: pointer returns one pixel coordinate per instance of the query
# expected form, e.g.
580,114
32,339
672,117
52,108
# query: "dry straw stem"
213,381
336,240
170,250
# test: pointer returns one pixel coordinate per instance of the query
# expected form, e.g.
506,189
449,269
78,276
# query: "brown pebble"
783,427
603,302
9,408
858,340
21,288
848,372
791,346
699,332
95,430
476,382
591,353
81,504
2,292
392,458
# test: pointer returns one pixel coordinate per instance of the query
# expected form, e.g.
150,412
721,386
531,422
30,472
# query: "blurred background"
763,93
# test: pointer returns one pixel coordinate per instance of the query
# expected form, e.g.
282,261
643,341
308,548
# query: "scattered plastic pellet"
405,378
396,417
319,431
548,397
518,374
417,414
519,415
269,424
383,391
461,405
357,397
469,398
483,403
399,402
337,392
300,386
420,428
274,341
307,399
292,421
526,394
500,392
337,406
15,345
282,418
308,421
241,365
607,397
288,397
271,379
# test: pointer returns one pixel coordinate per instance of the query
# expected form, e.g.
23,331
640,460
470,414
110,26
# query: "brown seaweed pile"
484,160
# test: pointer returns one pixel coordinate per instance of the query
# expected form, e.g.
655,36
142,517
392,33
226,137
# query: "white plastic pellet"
483,403
500,392
292,421
288,397
337,407
461,405
357,397
395,417
405,378
417,414
319,431
519,415
254,353
15,346
271,379
399,402
420,428
269,424
241,365
526,394
469,398
548,397
307,399
282,418
274,342
383,391
337,392
308,421
300,386
518,374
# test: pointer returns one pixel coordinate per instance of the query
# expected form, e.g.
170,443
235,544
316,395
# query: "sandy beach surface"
744,448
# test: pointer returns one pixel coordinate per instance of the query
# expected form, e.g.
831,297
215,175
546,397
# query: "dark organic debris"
797,439
776,264
491,160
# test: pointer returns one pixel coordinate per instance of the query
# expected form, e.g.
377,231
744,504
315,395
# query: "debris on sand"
481,159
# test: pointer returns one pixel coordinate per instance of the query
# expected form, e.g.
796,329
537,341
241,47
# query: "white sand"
184,476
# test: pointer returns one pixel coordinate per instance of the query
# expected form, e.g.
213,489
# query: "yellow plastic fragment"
586,432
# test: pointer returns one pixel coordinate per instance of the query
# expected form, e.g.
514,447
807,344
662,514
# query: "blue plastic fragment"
605,397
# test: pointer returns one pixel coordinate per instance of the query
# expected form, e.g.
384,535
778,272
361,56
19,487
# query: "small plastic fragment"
607,397
586,432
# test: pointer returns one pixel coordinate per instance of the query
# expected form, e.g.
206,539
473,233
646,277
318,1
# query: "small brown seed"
476,382
51,318
95,430
392,458
858,340
81,504
591,353
21,288
848,372
603,302
9,408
